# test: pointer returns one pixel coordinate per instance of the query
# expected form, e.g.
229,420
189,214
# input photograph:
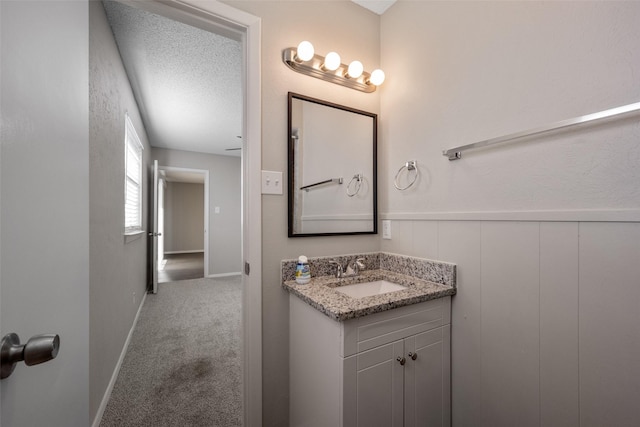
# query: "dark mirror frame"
290,171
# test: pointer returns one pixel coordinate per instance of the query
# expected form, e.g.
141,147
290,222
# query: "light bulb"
377,77
305,51
355,69
331,61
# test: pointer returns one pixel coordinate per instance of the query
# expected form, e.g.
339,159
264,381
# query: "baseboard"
213,276
196,251
107,394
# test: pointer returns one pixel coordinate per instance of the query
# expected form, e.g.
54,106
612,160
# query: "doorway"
216,17
183,224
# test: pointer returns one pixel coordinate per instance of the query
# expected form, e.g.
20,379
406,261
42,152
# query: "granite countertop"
320,293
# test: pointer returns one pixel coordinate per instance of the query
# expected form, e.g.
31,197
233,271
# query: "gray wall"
354,33
118,272
225,228
544,326
45,214
183,217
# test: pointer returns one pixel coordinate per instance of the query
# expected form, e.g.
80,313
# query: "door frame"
206,207
211,15
162,186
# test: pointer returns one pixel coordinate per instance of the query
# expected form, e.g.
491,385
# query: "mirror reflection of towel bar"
326,181
357,178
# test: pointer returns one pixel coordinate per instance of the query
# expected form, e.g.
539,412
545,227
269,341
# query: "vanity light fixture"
331,62
355,70
377,77
304,52
303,59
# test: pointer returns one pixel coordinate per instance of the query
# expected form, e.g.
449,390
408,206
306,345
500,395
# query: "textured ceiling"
377,6
186,81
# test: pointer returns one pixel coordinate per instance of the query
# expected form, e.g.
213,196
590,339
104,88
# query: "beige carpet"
183,366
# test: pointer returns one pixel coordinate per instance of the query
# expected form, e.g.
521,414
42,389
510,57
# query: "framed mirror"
332,169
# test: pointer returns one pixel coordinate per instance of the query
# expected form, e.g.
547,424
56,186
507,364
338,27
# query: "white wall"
118,269
463,72
225,192
354,33
184,217
544,325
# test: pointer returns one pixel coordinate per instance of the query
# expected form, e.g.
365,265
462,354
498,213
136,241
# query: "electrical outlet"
386,229
271,182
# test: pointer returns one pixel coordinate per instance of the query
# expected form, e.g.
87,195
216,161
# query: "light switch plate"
271,182
386,229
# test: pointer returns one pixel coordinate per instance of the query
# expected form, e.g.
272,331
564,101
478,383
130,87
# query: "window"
133,179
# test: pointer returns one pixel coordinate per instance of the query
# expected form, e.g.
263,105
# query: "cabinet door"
427,379
377,388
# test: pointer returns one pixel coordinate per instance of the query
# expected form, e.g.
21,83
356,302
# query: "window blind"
133,179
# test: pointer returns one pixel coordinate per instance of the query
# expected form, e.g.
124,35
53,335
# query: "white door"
161,187
44,207
154,234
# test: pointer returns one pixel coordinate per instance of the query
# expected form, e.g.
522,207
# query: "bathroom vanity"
379,358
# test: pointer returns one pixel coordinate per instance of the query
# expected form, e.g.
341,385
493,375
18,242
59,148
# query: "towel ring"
357,178
411,165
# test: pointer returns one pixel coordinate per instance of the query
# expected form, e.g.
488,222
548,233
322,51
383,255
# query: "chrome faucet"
354,267
352,270
339,269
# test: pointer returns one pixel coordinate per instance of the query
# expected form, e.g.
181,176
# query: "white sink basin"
361,290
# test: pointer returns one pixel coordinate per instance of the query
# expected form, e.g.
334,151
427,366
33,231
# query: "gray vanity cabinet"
427,380
374,387
381,391
352,373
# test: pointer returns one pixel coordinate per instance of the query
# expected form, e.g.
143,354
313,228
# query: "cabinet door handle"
413,356
402,360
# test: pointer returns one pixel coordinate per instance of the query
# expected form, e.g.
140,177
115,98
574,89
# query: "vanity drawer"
371,331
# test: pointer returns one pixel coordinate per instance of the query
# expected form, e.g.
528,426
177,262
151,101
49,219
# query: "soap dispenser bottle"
303,274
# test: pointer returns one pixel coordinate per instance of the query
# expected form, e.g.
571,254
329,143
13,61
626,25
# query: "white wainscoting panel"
459,242
546,322
609,324
510,323
559,374
401,237
425,239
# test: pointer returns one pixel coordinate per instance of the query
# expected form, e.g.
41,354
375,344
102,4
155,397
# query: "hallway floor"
181,267
183,365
